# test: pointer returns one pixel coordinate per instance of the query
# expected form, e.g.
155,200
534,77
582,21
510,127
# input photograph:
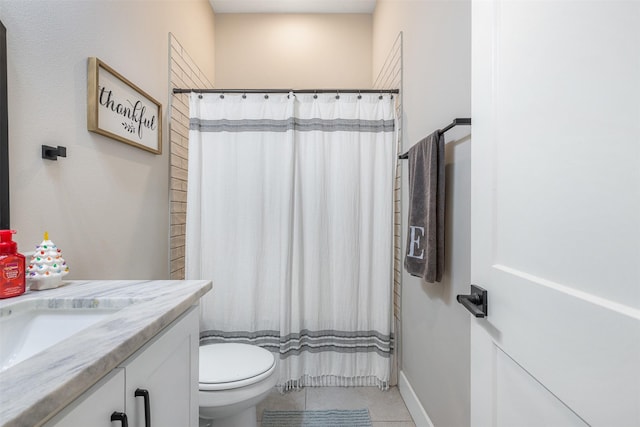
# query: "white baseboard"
419,415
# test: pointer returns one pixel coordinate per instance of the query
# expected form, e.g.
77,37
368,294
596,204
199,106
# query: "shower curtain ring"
359,95
222,96
337,94
315,95
244,96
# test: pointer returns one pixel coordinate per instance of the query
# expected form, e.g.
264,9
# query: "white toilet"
234,378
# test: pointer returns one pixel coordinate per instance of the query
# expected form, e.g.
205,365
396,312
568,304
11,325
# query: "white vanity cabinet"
95,406
164,372
167,369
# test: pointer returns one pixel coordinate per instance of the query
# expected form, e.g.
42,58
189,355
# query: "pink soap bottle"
12,266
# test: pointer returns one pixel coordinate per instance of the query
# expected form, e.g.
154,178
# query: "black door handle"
120,416
147,405
476,302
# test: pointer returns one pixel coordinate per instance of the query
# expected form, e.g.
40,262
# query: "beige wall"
293,51
107,204
436,89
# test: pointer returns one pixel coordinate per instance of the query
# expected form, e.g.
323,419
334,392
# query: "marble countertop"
35,389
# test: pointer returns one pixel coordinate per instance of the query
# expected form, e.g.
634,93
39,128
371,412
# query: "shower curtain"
289,213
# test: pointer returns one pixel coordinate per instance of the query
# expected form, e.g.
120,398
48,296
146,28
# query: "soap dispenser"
12,266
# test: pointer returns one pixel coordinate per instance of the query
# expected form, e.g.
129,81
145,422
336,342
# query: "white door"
556,213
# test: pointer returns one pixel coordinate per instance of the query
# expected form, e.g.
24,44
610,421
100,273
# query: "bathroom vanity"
135,355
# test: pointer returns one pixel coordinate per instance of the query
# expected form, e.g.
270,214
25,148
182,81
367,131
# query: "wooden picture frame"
121,110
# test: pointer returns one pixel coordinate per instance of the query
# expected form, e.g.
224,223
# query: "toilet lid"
232,365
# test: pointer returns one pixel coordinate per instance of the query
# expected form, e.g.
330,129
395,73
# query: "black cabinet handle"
147,405
476,302
120,416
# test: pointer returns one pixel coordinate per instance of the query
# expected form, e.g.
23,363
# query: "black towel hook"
52,153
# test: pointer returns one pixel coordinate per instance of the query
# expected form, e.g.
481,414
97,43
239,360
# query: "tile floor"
386,408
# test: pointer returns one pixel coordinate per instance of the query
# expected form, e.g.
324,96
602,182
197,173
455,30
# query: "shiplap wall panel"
184,74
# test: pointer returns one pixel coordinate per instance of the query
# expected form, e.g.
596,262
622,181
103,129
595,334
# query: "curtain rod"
178,90
466,121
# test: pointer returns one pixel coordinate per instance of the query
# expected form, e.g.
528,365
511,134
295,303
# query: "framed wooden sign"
121,110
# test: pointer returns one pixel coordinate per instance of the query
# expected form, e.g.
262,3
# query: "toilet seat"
232,365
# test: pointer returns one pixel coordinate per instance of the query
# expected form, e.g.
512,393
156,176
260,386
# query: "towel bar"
456,122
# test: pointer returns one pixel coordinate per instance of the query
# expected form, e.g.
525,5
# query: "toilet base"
246,418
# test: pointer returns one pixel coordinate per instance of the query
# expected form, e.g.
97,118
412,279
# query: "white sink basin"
28,328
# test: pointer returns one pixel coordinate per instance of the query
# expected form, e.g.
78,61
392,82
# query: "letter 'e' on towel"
424,256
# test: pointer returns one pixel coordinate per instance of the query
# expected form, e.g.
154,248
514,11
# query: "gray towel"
425,236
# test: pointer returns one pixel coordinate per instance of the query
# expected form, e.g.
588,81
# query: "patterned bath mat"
330,418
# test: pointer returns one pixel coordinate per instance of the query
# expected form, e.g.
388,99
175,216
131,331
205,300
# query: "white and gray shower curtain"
289,213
